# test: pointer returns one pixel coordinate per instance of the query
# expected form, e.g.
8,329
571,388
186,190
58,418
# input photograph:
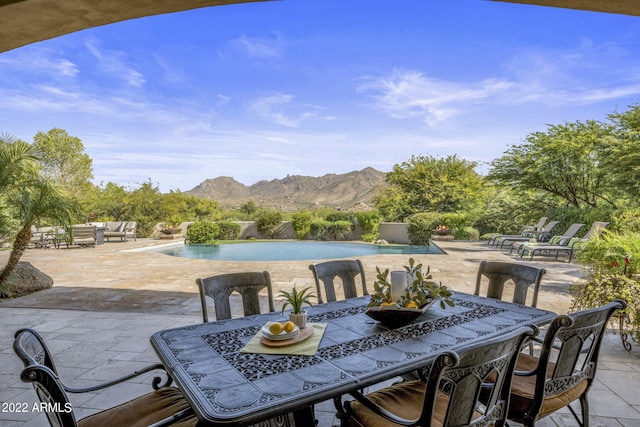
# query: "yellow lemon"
387,304
412,304
289,326
276,328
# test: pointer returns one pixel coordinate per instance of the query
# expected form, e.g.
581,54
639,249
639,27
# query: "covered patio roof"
23,22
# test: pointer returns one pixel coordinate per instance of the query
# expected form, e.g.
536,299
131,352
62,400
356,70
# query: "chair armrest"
174,418
155,384
381,411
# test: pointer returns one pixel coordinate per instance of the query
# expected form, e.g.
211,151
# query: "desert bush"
341,230
319,230
369,222
301,222
269,223
229,230
421,226
202,232
339,216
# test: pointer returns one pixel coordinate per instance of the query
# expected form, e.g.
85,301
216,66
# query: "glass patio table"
228,387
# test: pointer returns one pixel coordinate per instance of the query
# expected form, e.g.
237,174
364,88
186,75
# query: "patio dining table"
226,386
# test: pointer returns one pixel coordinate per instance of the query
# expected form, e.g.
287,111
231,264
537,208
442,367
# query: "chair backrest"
40,371
570,351
541,223
220,288
346,270
465,379
498,273
568,235
549,226
595,230
83,234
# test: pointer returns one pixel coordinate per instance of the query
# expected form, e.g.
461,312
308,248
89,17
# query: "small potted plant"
296,299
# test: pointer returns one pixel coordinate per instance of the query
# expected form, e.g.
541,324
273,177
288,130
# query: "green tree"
426,183
623,157
63,160
29,199
565,161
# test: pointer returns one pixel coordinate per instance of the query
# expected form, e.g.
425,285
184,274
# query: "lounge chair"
541,235
83,235
116,230
572,246
537,227
130,230
555,240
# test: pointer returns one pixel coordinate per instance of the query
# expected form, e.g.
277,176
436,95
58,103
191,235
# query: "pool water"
289,251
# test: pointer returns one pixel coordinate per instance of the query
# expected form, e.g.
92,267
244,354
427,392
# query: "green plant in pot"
296,300
613,265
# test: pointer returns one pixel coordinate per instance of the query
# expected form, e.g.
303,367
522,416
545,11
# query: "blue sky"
299,87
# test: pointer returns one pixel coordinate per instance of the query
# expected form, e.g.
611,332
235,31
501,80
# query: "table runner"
308,347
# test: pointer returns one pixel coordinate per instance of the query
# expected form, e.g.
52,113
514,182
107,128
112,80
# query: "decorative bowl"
394,317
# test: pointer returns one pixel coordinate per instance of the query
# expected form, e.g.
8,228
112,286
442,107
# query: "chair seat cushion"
523,390
404,399
143,411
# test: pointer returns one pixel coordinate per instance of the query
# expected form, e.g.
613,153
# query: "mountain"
341,191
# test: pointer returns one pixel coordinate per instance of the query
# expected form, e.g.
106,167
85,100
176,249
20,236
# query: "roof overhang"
624,7
23,22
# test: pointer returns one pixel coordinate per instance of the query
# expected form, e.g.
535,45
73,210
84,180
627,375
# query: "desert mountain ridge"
352,190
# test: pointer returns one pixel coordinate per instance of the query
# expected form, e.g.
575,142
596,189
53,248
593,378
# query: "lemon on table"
276,328
289,326
412,304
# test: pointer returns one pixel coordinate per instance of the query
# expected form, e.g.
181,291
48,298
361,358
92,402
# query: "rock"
27,279
381,242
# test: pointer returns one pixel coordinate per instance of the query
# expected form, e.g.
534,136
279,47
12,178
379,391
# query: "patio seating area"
98,321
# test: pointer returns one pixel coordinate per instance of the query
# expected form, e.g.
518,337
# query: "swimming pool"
288,251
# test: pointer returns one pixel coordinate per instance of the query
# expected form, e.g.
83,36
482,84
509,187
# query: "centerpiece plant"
419,293
297,299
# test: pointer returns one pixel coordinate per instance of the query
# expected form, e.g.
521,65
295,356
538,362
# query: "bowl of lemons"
279,331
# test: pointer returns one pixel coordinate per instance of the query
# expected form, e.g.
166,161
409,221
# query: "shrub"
339,216
369,222
202,232
466,233
421,225
301,222
320,230
614,263
269,223
229,230
341,230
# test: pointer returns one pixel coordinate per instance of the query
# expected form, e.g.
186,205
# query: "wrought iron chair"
220,288
346,270
498,273
448,391
162,407
565,369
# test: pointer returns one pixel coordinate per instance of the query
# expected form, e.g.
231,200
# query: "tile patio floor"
106,303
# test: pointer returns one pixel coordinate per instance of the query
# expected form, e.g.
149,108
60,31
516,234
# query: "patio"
107,303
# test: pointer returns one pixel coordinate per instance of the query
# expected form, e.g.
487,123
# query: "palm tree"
28,199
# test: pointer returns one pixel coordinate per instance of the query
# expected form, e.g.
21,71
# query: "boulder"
27,279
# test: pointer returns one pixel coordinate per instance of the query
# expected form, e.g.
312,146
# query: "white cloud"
406,94
279,108
38,60
259,47
113,64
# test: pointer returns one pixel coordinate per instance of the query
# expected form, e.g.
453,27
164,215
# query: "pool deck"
107,302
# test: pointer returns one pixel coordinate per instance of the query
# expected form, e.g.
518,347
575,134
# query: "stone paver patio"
106,303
